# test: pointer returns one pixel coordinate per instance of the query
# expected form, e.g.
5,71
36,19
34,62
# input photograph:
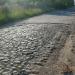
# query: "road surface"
38,45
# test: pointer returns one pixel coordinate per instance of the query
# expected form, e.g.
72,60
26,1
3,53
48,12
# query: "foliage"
16,9
63,4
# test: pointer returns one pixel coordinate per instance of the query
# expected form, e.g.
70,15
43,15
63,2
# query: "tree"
63,3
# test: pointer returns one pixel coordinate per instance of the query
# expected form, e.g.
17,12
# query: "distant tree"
63,3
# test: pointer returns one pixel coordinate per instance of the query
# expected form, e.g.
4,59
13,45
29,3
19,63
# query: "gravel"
32,44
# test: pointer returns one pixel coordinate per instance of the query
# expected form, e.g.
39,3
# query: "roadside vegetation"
11,10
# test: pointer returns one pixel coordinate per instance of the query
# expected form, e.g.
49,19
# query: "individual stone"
23,72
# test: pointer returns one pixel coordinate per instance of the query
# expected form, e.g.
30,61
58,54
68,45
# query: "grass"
24,13
34,11
12,10
2,17
18,13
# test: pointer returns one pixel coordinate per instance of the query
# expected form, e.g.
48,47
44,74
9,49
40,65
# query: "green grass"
12,10
18,13
2,17
24,13
34,11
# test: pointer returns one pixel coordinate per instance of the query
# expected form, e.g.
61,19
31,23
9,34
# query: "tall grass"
24,13
12,10
2,16
18,13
